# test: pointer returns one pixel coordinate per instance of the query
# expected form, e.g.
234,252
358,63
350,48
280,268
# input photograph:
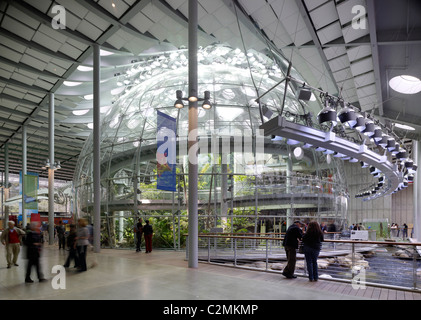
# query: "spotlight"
401,154
391,144
413,169
347,116
303,93
360,123
409,164
383,141
364,164
378,135
206,103
266,111
179,102
369,128
374,170
327,114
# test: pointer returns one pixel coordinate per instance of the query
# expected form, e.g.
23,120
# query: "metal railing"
378,263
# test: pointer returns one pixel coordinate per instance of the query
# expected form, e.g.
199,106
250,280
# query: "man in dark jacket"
290,244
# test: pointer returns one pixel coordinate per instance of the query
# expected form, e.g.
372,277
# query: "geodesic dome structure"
266,180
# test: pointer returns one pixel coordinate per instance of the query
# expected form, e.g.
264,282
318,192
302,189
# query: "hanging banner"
166,152
31,186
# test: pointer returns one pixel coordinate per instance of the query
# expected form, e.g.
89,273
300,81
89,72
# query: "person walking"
33,252
71,245
60,235
12,239
82,242
290,243
138,229
148,232
312,241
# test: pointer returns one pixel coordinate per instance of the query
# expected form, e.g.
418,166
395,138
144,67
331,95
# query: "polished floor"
164,275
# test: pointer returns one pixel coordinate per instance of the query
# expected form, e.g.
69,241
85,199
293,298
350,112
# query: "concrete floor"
160,275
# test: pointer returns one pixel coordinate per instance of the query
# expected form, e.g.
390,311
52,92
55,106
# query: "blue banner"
166,152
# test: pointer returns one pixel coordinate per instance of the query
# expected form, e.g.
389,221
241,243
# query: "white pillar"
416,151
96,150
193,168
51,170
24,172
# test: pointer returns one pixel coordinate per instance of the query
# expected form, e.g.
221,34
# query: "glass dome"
261,188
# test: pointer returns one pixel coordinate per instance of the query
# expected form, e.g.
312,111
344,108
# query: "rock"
277,266
326,276
323,263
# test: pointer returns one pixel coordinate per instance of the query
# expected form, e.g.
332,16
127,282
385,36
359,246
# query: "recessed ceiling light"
104,53
88,97
406,84
71,83
80,112
403,126
84,68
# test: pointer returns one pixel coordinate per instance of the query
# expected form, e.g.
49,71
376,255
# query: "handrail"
326,240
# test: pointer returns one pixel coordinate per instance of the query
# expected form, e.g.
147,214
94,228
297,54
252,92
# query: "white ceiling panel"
18,28
33,62
356,53
9,54
330,33
333,52
116,7
175,4
339,63
313,4
158,31
97,21
362,66
89,30
351,34
141,22
324,15
265,16
46,41
153,12
73,6
42,6
364,79
345,10
22,17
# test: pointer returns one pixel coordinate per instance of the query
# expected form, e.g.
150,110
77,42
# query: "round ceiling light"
405,84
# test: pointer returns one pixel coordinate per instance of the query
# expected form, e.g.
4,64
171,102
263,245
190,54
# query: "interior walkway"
164,275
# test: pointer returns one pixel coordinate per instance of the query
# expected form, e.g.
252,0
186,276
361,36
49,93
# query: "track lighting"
327,114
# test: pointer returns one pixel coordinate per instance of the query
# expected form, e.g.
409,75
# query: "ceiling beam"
371,10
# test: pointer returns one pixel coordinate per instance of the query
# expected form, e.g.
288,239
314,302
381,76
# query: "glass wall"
248,182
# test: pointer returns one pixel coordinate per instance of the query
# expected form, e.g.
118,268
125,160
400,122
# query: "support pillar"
192,139
96,149
24,172
51,170
416,151
6,184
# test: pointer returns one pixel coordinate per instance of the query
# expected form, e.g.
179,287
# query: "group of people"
147,231
395,230
13,238
312,244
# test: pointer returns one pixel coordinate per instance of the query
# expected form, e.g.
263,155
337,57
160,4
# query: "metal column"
417,191
51,170
96,150
192,140
6,183
24,172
